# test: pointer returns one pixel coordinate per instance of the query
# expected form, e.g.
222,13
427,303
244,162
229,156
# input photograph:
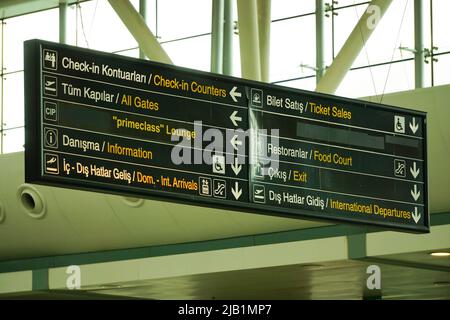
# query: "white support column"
140,31
419,46
264,10
63,21
320,39
217,36
249,39
353,46
143,13
228,31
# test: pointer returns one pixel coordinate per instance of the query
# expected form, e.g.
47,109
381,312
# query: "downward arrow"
414,171
414,126
236,191
234,94
235,142
416,215
415,194
236,167
235,119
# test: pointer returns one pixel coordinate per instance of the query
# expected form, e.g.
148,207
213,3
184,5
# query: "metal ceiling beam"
264,37
353,46
249,39
140,31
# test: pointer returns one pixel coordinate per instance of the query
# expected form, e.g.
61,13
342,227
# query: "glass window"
1,84
442,70
1,104
293,46
395,30
178,19
346,3
13,100
441,38
358,83
151,13
308,84
290,8
13,140
344,23
191,53
1,47
95,25
427,24
378,80
236,56
328,39
134,53
71,28
41,25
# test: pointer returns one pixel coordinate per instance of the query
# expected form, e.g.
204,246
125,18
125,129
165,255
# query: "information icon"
51,138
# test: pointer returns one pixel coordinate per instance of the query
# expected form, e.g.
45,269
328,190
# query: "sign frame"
34,150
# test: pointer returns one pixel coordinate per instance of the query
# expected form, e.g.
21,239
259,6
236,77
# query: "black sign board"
108,123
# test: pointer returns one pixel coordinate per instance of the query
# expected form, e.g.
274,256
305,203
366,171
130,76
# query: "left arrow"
235,94
235,142
235,119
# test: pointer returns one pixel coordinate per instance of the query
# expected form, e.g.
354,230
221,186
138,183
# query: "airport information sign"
108,123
